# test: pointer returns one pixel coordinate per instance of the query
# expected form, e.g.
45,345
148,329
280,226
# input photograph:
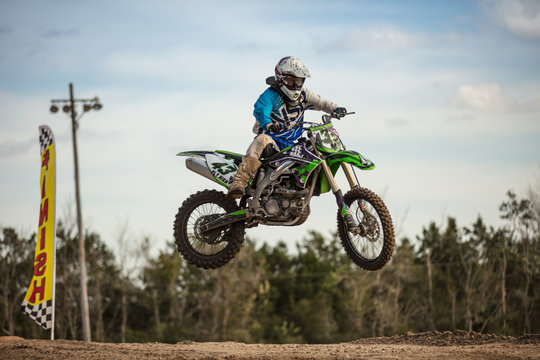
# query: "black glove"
276,127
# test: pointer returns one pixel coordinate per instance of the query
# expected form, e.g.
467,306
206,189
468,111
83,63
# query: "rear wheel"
370,245
210,249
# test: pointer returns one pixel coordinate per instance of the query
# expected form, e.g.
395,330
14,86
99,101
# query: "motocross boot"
247,168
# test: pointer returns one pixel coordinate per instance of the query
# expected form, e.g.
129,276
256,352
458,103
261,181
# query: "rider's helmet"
290,76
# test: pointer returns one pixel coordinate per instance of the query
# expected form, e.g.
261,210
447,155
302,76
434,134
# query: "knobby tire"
233,234
348,239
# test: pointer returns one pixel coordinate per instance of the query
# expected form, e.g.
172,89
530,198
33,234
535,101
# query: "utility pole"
69,107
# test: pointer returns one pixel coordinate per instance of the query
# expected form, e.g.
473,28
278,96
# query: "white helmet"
290,76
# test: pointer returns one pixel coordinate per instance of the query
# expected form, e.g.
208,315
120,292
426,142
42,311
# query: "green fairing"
323,181
222,183
192,153
305,171
232,154
236,213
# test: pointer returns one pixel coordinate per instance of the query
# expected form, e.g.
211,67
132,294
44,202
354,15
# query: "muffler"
200,167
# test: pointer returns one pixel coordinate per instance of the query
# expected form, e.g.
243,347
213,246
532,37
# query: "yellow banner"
39,300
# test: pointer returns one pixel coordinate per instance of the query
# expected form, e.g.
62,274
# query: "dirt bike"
209,227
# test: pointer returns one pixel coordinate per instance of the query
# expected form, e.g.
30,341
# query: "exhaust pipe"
200,167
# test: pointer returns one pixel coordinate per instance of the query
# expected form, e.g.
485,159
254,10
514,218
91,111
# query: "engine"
284,201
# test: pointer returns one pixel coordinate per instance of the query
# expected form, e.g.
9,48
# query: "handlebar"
336,115
326,119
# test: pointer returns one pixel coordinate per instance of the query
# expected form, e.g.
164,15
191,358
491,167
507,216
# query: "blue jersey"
270,107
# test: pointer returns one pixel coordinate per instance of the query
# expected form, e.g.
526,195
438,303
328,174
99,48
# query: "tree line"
477,278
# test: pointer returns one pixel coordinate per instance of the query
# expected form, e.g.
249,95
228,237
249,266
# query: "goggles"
293,81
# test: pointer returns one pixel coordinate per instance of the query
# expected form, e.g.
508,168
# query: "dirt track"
432,345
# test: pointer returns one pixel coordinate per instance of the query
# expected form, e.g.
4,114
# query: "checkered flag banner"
38,303
41,313
46,137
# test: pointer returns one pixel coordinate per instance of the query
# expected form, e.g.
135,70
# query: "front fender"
351,157
334,161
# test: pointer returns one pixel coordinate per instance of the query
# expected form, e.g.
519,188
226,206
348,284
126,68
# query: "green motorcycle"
209,227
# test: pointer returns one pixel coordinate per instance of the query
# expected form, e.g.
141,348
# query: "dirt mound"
422,346
449,338
529,339
10,338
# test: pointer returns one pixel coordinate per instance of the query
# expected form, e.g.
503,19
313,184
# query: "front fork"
342,206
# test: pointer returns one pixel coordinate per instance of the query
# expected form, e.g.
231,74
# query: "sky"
446,96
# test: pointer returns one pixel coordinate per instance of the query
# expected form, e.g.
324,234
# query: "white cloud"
490,97
381,37
520,17
187,66
481,97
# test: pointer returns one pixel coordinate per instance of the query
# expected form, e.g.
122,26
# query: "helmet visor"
294,82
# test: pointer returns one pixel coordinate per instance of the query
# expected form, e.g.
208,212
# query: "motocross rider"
277,111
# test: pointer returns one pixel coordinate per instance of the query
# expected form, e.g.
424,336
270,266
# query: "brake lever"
339,116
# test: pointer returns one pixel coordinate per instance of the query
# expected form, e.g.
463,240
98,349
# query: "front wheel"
370,245
209,249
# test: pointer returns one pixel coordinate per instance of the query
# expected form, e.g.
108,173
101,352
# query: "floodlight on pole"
69,107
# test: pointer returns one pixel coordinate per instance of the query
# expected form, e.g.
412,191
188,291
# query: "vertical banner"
39,300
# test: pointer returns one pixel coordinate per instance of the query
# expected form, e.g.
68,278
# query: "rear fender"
216,166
